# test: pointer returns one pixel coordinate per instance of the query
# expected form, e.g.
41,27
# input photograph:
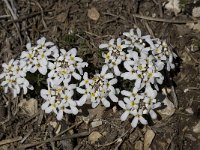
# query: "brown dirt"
56,20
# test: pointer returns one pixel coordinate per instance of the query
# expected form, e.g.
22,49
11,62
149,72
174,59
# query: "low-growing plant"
133,58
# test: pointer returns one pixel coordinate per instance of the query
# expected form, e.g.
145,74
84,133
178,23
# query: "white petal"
119,41
103,46
45,105
74,110
127,75
20,80
142,120
113,97
139,32
49,43
116,71
60,115
28,46
124,116
73,51
68,111
2,75
134,122
78,59
149,41
138,83
43,70
158,104
41,41
76,76
4,83
113,81
51,73
81,91
108,76
85,76
6,89
30,87
127,66
48,110
25,89
105,102
33,69
71,86
24,54
82,83
14,93
126,93
127,34
94,104
104,69
71,102
153,114
82,100
66,82
43,94
121,104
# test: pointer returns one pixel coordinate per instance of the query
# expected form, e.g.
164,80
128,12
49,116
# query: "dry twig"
14,17
4,16
165,20
27,17
26,136
82,134
8,141
77,124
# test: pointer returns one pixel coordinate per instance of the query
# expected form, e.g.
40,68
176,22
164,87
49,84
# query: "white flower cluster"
61,67
135,58
59,98
14,74
98,89
36,57
32,59
143,58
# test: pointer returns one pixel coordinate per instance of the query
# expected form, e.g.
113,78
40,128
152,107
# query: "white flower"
86,95
71,57
132,95
42,44
108,57
137,39
39,65
86,82
138,117
151,102
110,46
50,105
116,53
114,64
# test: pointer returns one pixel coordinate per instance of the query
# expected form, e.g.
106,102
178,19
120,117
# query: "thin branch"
8,141
82,134
26,17
165,20
26,136
4,16
77,124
